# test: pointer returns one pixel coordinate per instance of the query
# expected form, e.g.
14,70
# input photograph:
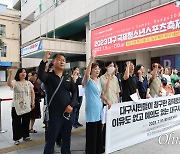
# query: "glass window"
3,51
2,30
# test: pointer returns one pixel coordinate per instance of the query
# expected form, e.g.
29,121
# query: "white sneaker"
27,139
16,142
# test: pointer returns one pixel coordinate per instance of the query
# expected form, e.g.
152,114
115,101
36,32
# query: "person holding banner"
129,86
93,108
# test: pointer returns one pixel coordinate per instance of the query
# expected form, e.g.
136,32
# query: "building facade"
128,18
67,26
10,36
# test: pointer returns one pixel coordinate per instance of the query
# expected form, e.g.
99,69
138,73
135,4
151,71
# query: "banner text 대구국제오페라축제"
161,28
129,123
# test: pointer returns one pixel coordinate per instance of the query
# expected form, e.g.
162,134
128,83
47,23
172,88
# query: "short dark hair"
74,68
34,72
137,68
125,63
94,65
50,66
58,54
18,72
106,64
159,66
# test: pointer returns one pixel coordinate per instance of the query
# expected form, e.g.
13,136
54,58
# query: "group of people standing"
112,88
64,101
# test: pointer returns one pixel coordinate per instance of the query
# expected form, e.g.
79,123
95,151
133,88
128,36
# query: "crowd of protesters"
61,94
116,88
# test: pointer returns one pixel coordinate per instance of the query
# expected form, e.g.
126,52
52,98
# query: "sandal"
27,139
32,131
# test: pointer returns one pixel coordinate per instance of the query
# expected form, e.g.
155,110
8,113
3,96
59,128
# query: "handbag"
46,108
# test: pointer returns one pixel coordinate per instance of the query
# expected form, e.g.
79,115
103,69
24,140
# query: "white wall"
144,58
66,12
30,62
166,51
29,7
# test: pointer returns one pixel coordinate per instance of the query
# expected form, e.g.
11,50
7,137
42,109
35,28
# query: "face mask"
111,70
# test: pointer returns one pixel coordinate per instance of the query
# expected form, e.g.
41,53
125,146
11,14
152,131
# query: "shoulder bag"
46,108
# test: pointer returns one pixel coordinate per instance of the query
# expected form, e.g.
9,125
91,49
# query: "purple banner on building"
168,61
177,62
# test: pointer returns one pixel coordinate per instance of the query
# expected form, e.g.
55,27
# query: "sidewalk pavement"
36,146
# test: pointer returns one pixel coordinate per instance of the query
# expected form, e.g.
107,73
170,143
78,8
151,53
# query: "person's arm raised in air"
42,75
155,71
9,79
126,74
88,69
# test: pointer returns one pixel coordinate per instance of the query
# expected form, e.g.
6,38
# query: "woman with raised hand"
93,108
22,104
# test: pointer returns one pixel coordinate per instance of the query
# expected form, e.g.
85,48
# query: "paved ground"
78,137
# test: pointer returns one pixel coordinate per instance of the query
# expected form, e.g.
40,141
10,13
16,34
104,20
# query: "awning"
73,50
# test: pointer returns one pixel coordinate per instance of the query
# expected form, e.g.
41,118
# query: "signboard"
130,123
177,62
5,63
31,48
158,27
167,61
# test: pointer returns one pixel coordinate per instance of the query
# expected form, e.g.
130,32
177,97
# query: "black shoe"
75,126
80,125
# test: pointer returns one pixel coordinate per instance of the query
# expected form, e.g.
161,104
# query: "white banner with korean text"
130,123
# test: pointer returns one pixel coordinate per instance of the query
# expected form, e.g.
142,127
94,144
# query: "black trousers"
76,110
93,137
20,125
58,124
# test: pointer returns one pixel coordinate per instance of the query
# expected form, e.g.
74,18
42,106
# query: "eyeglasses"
62,60
66,115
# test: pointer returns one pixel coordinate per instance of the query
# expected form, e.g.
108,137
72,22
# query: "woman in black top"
141,82
128,82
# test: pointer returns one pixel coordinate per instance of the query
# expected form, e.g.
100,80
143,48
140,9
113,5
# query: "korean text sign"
158,27
130,123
